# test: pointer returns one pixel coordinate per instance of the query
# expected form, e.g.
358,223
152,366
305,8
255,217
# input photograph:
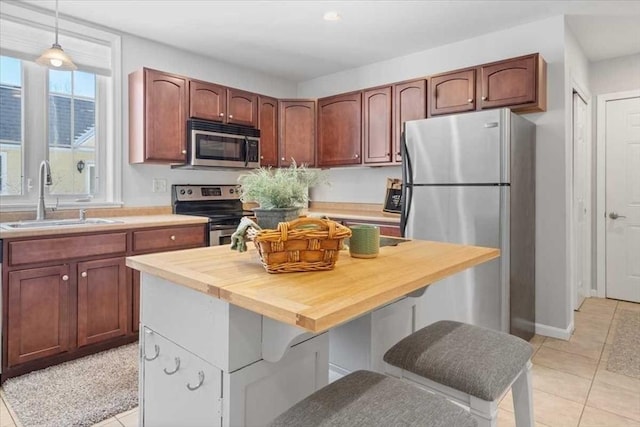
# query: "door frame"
586,98
601,239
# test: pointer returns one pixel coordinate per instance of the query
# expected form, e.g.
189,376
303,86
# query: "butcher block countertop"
125,223
315,301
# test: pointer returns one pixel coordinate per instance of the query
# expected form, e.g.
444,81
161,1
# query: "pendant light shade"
55,57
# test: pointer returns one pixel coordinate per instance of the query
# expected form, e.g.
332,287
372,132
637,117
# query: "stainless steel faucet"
44,178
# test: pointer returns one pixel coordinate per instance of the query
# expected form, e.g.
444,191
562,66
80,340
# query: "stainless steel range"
220,203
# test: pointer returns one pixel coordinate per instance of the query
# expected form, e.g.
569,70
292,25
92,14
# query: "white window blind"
26,31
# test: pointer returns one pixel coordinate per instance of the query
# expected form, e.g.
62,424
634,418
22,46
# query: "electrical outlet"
159,185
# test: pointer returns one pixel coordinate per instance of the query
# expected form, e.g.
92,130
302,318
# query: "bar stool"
469,365
370,399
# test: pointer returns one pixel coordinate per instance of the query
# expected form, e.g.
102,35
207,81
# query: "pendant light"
55,57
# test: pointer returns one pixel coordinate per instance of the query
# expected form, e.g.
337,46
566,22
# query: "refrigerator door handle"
407,173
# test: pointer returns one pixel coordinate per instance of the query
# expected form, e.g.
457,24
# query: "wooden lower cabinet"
102,300
62,304
38,313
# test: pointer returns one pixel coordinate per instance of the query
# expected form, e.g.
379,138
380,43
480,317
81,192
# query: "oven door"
220,235
224,150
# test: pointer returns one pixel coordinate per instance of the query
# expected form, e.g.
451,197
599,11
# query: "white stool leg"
485,412
523,398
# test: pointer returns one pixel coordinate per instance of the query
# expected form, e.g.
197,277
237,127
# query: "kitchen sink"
47,223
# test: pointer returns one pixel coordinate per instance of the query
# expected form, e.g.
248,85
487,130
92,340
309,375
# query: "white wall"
615,75
137,53
545,36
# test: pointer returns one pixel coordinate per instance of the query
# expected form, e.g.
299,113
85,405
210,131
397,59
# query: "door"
297,132
581,203
458,149
207,101
453,92
268,123
165,117
507,83
377,125
38,313
466,215
409,103
340,130
242,107
102,300
179,388
622,137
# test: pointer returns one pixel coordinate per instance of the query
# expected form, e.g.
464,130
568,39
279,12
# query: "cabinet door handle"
221,114
184,151
356,156
485,98
388,154
282,159
177,360
65,277
470,101
261,157
83,274
173,237
398,153
200,382
156,348
231,116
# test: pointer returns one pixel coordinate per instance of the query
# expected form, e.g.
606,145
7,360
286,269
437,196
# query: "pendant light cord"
56,22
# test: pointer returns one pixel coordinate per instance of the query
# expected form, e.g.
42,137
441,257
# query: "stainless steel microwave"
222,145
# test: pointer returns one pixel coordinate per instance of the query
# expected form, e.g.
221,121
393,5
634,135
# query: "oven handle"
246,151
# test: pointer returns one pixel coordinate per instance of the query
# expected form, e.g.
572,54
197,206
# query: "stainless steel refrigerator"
469,178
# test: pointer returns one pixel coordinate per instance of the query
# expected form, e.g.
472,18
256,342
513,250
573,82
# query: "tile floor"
571,384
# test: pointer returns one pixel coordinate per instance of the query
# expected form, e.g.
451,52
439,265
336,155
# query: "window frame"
109,153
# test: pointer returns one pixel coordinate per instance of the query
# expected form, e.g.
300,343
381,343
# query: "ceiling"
290,39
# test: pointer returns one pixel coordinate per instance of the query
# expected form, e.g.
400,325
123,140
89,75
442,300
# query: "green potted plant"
281,193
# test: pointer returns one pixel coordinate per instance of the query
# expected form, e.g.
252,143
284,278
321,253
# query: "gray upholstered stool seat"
471,365
369,399
478,361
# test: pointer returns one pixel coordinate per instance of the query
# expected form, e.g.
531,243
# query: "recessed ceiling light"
332,15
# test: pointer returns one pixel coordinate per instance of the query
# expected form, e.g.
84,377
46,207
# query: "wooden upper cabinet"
207,101
519,83
157,117
102,300
340,130
38,313
268,124
409,103
210,101
242,107
376,126
452,92
297,131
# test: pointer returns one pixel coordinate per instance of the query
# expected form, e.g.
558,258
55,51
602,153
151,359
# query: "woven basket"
304,244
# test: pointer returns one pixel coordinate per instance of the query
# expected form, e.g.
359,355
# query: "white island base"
202,360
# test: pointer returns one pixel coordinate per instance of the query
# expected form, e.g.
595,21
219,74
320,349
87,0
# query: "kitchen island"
225,343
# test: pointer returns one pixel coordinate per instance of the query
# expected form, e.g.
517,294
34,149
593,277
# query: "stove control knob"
181,191
189,192
231,191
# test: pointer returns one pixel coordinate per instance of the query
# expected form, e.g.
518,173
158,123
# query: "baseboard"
553,332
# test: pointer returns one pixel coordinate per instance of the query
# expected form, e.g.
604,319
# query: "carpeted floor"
77,393
625,357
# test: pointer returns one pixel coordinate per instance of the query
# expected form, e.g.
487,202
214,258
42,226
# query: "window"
66,117
11,125
72,131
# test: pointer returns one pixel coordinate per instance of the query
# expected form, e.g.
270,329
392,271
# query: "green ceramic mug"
364,241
